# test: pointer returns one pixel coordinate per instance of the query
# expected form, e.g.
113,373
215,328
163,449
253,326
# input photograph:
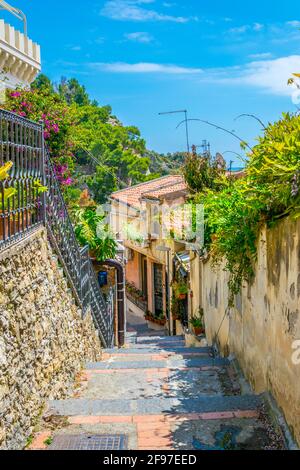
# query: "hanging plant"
181,290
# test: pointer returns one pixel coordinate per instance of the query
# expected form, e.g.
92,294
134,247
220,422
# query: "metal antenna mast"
16,12
186,124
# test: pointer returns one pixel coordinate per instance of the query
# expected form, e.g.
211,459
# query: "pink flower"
67,182
15,94
46,135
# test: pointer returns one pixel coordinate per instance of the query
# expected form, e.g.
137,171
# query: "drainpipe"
120,298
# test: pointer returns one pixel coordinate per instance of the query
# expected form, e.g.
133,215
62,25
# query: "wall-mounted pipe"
120,297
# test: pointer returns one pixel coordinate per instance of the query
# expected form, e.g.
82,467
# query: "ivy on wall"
236,210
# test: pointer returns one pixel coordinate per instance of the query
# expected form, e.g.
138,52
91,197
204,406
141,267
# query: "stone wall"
43,340
265,324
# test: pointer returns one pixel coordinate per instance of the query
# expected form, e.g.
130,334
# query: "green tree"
73,92
42,81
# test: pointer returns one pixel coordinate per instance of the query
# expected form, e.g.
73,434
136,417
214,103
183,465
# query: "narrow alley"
157,394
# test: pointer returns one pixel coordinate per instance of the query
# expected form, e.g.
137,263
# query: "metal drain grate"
89,442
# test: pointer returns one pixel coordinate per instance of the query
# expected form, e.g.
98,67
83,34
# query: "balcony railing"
22,143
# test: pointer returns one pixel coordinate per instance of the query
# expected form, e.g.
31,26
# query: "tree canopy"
90,147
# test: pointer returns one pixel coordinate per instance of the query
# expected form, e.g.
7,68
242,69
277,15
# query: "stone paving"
162,396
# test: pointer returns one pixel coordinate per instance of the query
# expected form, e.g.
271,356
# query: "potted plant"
24,217
5,195
181,290
175,308
158,320
198,323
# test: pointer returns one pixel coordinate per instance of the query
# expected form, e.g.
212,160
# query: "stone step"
168,340
171,363
154,350
153,406
152,356
136,383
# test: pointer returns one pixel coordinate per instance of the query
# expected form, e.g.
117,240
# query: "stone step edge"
40,440
229,403
170,418
88,372
154,356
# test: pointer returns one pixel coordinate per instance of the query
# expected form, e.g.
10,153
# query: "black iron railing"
22,143
21,208
75,261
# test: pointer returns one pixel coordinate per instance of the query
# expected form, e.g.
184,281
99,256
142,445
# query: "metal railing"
22,143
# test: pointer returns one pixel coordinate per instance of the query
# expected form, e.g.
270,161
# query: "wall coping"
15,248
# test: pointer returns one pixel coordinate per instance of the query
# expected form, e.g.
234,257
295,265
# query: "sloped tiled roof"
174,188
160,186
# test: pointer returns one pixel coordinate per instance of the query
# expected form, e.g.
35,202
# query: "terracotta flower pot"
198,331
182,296
11,226
157,321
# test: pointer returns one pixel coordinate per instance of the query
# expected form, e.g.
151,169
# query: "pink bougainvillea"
48,108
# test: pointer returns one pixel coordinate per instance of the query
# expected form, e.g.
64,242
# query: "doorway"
158,289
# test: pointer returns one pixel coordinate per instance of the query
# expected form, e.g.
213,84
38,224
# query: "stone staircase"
156,394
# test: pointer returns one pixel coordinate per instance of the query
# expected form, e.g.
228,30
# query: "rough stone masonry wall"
261,329
43,340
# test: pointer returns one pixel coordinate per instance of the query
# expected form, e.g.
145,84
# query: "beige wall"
133,273
121,215
262,328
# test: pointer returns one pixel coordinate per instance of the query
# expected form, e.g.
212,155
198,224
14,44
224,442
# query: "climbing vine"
236,210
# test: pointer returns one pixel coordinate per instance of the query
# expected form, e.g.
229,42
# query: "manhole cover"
89,442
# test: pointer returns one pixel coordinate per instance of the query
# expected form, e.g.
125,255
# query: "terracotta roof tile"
132,195
174,188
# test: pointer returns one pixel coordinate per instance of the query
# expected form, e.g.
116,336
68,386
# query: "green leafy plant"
49,441
236,210
197,321
180,289
133,234
92,230
135,292
160,319
8,193
88,145
202,172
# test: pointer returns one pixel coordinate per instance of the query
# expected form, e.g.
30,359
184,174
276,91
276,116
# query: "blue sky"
217,59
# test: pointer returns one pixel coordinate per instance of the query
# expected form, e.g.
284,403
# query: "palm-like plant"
91,230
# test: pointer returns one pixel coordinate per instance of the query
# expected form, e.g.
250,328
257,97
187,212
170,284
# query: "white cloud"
261,56
269,75
258,27
239,29
294,24
247,27
144,67
142,37
133,10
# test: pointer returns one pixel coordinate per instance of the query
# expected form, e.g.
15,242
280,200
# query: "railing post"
43,172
